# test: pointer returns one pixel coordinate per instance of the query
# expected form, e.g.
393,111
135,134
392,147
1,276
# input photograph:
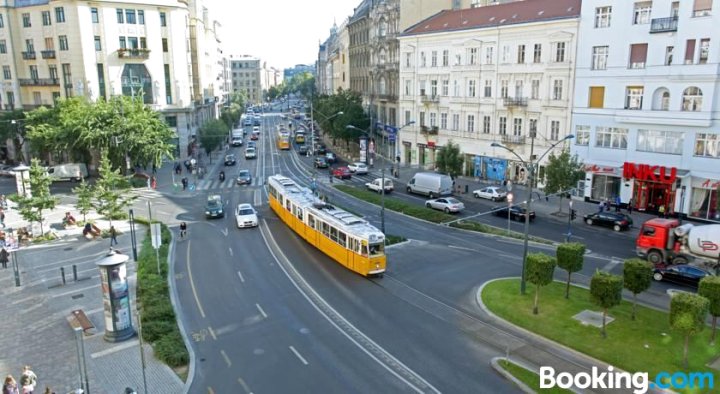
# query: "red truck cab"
656,240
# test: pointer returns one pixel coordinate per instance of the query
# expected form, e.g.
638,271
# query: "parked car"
230,160
679,273
493,193
214,207
617,221
331,158
376,185
244,178
245,216
250,153
320,149
342,173
515,212
358,168
446,204
321,162
7,170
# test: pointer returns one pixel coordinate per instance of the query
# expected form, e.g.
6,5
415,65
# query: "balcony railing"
515,101
28,55
513,139
663,25
39,82
429,130
429,98
48,54
133,53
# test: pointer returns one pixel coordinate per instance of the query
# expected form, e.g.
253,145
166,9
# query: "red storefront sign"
646,172
596,169
431,144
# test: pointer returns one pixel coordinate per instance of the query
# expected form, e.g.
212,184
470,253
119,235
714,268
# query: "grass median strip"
484,228
530,378
646,344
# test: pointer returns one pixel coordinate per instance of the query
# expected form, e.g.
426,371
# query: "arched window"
692,99
661,100
382,28
382,85
381,56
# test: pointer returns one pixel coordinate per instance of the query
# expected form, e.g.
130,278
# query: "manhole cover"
76,296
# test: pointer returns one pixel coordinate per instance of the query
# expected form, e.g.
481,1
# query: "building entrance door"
649,196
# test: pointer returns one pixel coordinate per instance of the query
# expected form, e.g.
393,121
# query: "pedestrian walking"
48,391
10,386
185,183
630,206
618,203
28,380
113,236
153,183
601,206
2,217
661,211
3,202
4,257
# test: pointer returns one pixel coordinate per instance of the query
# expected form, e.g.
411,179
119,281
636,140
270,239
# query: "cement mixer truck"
665,240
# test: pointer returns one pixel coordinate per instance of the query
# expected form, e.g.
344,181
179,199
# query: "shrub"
171,349
606,292
637,277
539,270
570,258
153,330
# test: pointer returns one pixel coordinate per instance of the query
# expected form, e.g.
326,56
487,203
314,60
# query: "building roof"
497,15
361,11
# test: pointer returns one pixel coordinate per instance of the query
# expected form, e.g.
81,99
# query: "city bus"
342,236
283,140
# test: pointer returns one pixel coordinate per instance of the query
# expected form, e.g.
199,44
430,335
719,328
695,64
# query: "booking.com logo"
639,382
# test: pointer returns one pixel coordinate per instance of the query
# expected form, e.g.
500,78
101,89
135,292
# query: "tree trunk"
634,305
685,350
535,306
714,326
567,286
604,334
559,203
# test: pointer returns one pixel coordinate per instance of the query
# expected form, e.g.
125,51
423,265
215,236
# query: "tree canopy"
213,134
449,159
347,102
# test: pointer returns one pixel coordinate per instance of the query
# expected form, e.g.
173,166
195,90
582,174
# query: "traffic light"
573,214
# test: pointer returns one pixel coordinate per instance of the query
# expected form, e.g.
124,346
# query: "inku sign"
646,172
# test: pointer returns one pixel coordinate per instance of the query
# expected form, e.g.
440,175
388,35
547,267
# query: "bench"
79,319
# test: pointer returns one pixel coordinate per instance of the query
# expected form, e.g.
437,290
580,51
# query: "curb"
495,363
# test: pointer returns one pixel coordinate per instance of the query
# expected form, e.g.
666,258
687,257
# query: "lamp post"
382,180
22,173
530,166
312,124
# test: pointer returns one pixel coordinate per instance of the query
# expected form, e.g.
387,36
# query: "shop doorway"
421,156
650,196
408,154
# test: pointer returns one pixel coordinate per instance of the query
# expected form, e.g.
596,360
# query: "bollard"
75,272
62,273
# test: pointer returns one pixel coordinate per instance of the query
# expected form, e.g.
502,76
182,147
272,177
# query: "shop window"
605,187
704,203
582,135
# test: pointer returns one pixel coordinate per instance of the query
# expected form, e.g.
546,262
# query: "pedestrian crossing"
228,183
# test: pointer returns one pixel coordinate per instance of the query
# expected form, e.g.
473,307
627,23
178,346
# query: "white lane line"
461,248
231,252
225,231
611,264
244,386
192,283
227,359
262,312
240,275
302,360
212,333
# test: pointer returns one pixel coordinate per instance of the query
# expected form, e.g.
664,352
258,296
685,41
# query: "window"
94,17
2,21
602,17
505,53
533,127
3,46
517,126
163,19
132,42
143,45
34,73
702,8
537,53
689,51
521,54
408,87
422,59
52,71
502,125
669,55
488,88
660,141
611,137
445,87
434,88
130,17
63,41
582,135
29,46
55,97
422,118
692,99
446,58
675,8
164,45
433,119
473,53
597,97
486,124
560,52
535,89
554,130
46,19
407,117
59,14
98,44
26,20
706,145
557,89
470,123
443,121
458,59
503,88
433,59
704,50
120,16
422,88
456,88
455,122
6,72
641,14
633,97
471,88
599,58
141,17
123,44
518,89
489,55
638,55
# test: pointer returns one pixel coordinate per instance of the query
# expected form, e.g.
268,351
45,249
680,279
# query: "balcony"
513,139
133,53
429,130
663,25
48,54
28,55
39,82
429,99
515,101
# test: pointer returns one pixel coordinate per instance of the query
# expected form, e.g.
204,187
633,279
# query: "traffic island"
646,344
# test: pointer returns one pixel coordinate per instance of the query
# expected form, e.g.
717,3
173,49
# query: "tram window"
273,192
325,229
342,238
334,234
287,204
311,221
300,214
364,250
376,249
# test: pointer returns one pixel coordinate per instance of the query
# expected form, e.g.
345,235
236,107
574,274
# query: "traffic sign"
391,138
155,235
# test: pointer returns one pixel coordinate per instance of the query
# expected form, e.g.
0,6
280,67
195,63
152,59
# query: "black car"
244,178
302,149
614,220
214,207
516,213
320,149
679,273
321,162
230,160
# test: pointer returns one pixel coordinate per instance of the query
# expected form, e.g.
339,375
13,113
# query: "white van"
68,172
237,137
430,184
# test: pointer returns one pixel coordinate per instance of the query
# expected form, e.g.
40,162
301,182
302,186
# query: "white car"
250,153
358,168
494,193
256,129
245,216
446,204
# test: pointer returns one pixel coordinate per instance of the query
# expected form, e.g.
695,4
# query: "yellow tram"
283,140
346,238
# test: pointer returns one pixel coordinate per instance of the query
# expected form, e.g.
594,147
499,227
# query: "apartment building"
646,110
246,77
498,73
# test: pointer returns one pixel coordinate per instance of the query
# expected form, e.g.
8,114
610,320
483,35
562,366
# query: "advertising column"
116,297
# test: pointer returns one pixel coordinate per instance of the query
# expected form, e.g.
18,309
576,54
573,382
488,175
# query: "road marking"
611,264
256,198
212,333
227,359
231,252
298,355
461,248
262,312
244,385
225,231
192,283
210,390
241,277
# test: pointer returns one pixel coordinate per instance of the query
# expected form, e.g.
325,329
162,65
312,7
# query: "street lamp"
22,173
382,182
530,166
312,124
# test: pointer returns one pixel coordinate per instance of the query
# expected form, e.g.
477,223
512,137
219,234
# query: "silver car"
491,193
445,204
358,168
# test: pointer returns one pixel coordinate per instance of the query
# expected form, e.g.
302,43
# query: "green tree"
273,92
450,160
350,104
110,191
562,173
38,197
212,135
84,193
709,288
687,316
13,127
606,292
539,270
637,277
570,257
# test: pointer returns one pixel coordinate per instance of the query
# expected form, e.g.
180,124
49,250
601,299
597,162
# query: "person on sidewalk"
10,386
618,203
3,202
661,211
630,206
28,380
185,183
2,218
4,258
601,206
113,236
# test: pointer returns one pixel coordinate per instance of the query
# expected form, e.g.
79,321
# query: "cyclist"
183,230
